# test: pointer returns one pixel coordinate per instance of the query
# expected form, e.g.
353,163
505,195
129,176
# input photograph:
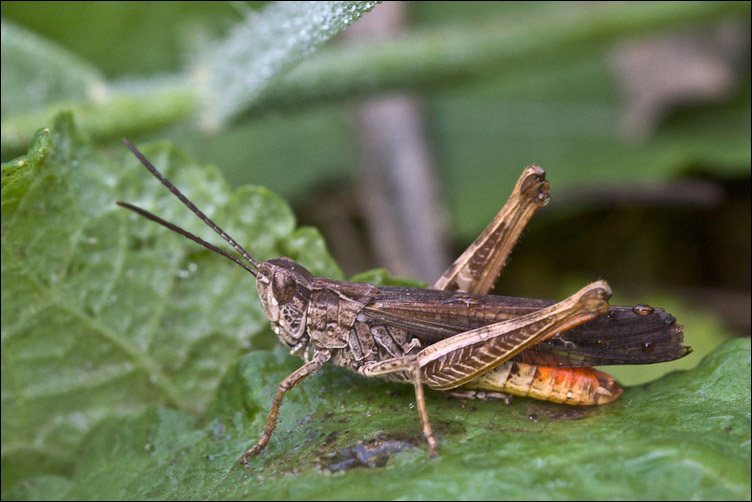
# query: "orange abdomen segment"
576,386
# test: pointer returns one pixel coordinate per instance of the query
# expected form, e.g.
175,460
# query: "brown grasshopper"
454,335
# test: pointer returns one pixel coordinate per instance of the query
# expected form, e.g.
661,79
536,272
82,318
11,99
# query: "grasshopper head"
284,286
284,290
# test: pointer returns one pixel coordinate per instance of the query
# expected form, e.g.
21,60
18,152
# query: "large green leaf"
686,436
105,313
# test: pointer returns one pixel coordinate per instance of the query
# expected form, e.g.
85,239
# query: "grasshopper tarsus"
252,451
455,334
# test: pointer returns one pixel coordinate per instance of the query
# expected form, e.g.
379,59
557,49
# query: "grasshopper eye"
283,286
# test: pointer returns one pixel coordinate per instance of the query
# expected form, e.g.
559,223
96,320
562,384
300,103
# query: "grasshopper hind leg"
420,400
460,359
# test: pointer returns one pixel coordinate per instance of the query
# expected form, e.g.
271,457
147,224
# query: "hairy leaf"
686,436
105,313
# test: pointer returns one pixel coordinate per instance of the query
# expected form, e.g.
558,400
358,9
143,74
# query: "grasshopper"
455,334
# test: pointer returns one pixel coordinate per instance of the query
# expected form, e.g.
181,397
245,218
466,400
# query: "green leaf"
37,72
382,277
481,41
685,436
105,313
257,51
226,77
44,78
16,174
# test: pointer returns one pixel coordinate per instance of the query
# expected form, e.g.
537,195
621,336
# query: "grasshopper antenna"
153,170
185,233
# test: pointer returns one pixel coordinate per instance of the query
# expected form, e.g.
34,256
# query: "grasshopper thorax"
284,288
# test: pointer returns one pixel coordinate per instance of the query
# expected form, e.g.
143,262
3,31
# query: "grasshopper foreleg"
308,369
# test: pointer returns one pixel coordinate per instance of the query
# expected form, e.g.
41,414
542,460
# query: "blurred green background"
639,112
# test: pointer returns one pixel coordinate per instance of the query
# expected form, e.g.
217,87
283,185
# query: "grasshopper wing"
625,335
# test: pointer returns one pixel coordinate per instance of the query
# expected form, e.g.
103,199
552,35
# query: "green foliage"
255,52
123,374
226,78
686,436
104,313
38,72
503,85
381,276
